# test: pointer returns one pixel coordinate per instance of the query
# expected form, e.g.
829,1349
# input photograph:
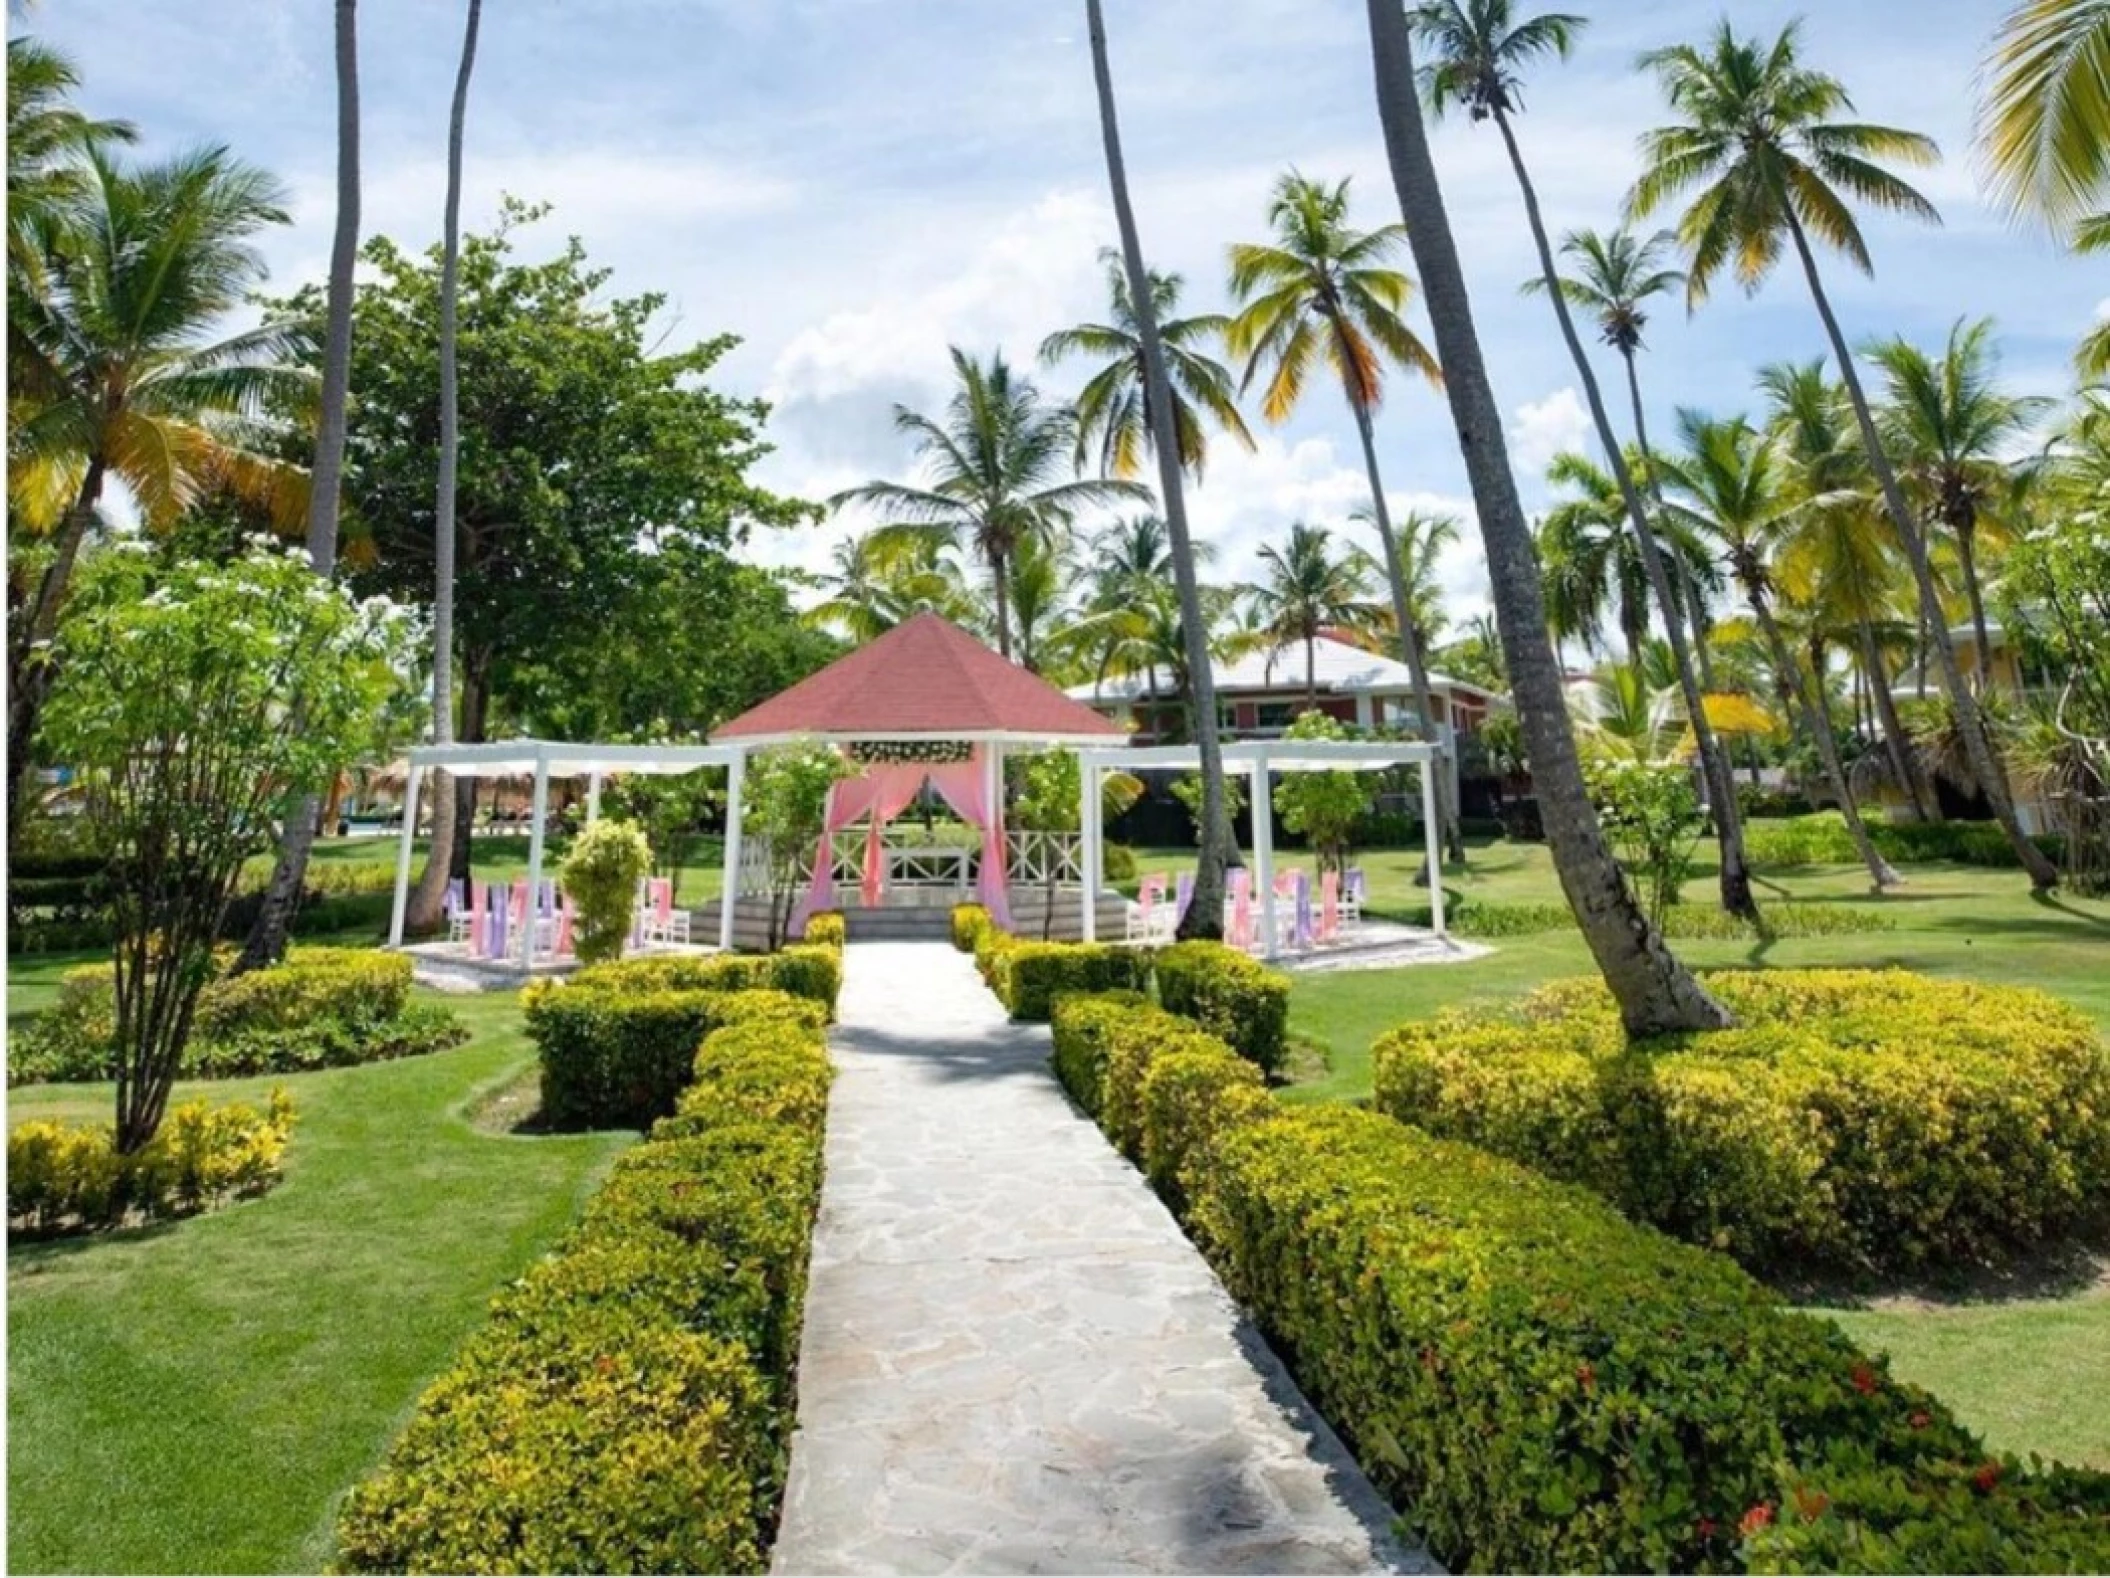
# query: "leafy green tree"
785,800
1113,412
992,472
196,701
1653,817
1323,807
1654,991
1757,133
601,872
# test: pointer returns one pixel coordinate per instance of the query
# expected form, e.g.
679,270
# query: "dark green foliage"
1230,995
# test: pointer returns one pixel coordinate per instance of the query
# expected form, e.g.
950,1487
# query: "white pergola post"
593,799
729,900
1264,854
1088,810
1432,838
537,817
993,797
412,782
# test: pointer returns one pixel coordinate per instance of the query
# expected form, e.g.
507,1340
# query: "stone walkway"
1013,1360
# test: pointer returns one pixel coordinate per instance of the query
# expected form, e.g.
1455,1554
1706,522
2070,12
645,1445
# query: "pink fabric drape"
886,788
965,787
883,793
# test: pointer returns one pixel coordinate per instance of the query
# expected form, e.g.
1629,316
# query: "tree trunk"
1204,917
1000,591
1904,757
1656,994
476,699
427,902
28,672
1720,775
274,918
1409,637
1311,672
1682,583
1817,718
1967,558
1985,762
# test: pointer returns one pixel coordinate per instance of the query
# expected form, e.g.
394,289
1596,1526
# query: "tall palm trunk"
427,902
1410,644
1817,719
1904,759
1715,766
1966,528
1311,671
1687,590
1655,993
1000,596
266,943
1204,917
1985,763
28,667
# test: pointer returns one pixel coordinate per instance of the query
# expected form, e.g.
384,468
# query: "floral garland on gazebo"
929,753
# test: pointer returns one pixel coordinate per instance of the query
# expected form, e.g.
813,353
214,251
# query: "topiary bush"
601,873
826,930
969,922
628,1407
809,972
1231,996
1859,1118
1034,974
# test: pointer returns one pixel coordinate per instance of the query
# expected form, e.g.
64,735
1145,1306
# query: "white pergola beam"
412,782
729,899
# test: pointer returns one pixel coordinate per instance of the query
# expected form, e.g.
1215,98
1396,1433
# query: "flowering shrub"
1869,1118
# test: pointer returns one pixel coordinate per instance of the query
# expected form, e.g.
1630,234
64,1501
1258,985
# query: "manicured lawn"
196,1397
2022,1370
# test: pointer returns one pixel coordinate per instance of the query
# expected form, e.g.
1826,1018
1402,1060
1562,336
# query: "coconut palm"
994,468
1951,430
1727,484
1593,561
1655,993
1324,292
1307,587
452,808
1478,53
1113,413
867,590
114,374
47,140
1204,917
1757,134
2044,121
1128,561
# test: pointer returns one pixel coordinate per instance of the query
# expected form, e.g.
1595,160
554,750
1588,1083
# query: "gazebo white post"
593,799
538,816
1264,854
411,785
1088,836
729,900
1432,835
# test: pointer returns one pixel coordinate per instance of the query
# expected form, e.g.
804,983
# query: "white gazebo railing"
1031,857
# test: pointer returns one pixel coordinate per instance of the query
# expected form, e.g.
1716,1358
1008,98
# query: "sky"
851,186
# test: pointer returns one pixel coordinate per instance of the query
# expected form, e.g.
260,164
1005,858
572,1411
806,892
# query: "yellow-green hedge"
1229,994
629,1405
826,929
1027,977
803,970
68,1178
969,921
1858,1117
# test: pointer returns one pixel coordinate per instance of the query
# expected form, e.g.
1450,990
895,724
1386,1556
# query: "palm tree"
1306,588
1756,133
1951,430
1129,562
1727,485
452,806
1113,413
994,465
1656,994
1841,553
2044,121
1204,917
1323,291
1479,50
868,590
266,942
1593,560
113,374
47,139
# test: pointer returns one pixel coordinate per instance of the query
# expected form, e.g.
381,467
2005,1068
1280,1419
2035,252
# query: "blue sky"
850,185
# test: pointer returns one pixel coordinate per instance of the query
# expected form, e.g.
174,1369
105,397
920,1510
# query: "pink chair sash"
1329,906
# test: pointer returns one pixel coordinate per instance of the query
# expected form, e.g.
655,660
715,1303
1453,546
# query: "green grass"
2014,1368
196,1397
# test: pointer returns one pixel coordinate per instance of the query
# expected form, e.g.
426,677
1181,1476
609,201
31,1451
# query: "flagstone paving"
1013,1359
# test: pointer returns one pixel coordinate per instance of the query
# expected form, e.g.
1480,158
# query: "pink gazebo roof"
924,679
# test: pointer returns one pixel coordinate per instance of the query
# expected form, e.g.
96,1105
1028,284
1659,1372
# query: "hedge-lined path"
1013,1359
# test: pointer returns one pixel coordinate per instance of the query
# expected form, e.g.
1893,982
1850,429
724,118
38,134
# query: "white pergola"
546,759
1260,760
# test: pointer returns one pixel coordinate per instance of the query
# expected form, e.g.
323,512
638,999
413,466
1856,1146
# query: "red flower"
1864,1380
1754,1520
1920,1419
1588,1376
1988,1475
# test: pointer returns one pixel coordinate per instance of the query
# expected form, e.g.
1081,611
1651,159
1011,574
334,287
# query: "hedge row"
804,970
969,921
1546,1386
1870,1118
629,1405
1468,917
319,1008
1027,977
1230,995
1821,839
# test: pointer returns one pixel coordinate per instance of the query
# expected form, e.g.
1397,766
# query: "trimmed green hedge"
319,1008
616,1056
827,929
969,922
1230,995
802,970
628,1407
1859,1117
1028,976
1468,917
1821,839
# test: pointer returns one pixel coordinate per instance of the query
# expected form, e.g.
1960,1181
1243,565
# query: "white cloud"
2102,310
1544,428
